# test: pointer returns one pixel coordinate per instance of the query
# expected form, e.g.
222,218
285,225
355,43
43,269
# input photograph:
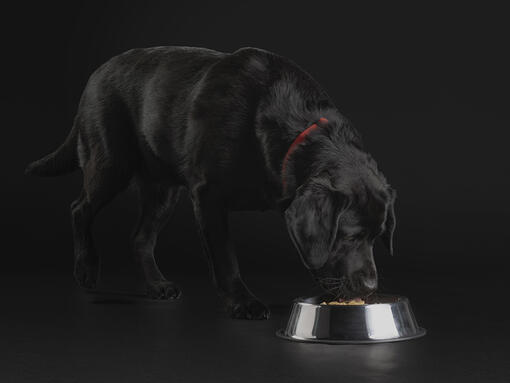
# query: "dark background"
426,86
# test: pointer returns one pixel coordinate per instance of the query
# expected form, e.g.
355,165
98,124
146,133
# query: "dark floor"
52,332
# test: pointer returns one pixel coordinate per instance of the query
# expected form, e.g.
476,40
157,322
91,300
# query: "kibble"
340,302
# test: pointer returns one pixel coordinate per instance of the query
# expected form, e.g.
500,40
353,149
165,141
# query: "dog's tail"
61,161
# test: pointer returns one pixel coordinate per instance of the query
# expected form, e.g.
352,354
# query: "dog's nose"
369,283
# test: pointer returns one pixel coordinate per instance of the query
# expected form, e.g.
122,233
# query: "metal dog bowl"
384,318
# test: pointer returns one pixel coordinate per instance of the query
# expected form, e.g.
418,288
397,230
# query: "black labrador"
248,130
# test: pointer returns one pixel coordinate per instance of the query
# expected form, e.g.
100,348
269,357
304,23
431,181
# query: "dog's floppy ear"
387,235
312,220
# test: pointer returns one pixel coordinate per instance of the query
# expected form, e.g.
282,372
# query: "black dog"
243,131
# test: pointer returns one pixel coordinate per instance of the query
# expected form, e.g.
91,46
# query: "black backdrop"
426,87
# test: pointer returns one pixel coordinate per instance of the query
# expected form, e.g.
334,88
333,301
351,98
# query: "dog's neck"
324,146
300,139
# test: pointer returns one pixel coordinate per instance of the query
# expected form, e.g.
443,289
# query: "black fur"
218,125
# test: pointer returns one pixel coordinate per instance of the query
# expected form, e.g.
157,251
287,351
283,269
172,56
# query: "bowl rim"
305,301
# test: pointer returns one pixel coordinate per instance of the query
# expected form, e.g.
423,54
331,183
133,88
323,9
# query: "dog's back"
118,99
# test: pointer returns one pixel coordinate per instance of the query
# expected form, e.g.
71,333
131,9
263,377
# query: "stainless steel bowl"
385,318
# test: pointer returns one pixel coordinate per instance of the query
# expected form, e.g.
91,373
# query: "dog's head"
334,220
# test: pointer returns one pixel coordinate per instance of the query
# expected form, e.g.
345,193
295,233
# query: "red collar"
299,139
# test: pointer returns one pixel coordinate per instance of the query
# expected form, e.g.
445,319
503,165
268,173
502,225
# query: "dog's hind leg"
100,186
157,205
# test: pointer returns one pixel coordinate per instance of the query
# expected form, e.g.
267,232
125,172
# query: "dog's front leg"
212,220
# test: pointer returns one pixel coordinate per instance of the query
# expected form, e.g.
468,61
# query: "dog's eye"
360,234
354,235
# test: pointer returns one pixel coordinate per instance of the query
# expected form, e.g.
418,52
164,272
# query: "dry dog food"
340,302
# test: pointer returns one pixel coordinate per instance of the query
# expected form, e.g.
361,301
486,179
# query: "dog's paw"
248,308
86,273
163,290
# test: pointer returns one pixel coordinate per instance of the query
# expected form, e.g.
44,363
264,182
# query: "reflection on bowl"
384,318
